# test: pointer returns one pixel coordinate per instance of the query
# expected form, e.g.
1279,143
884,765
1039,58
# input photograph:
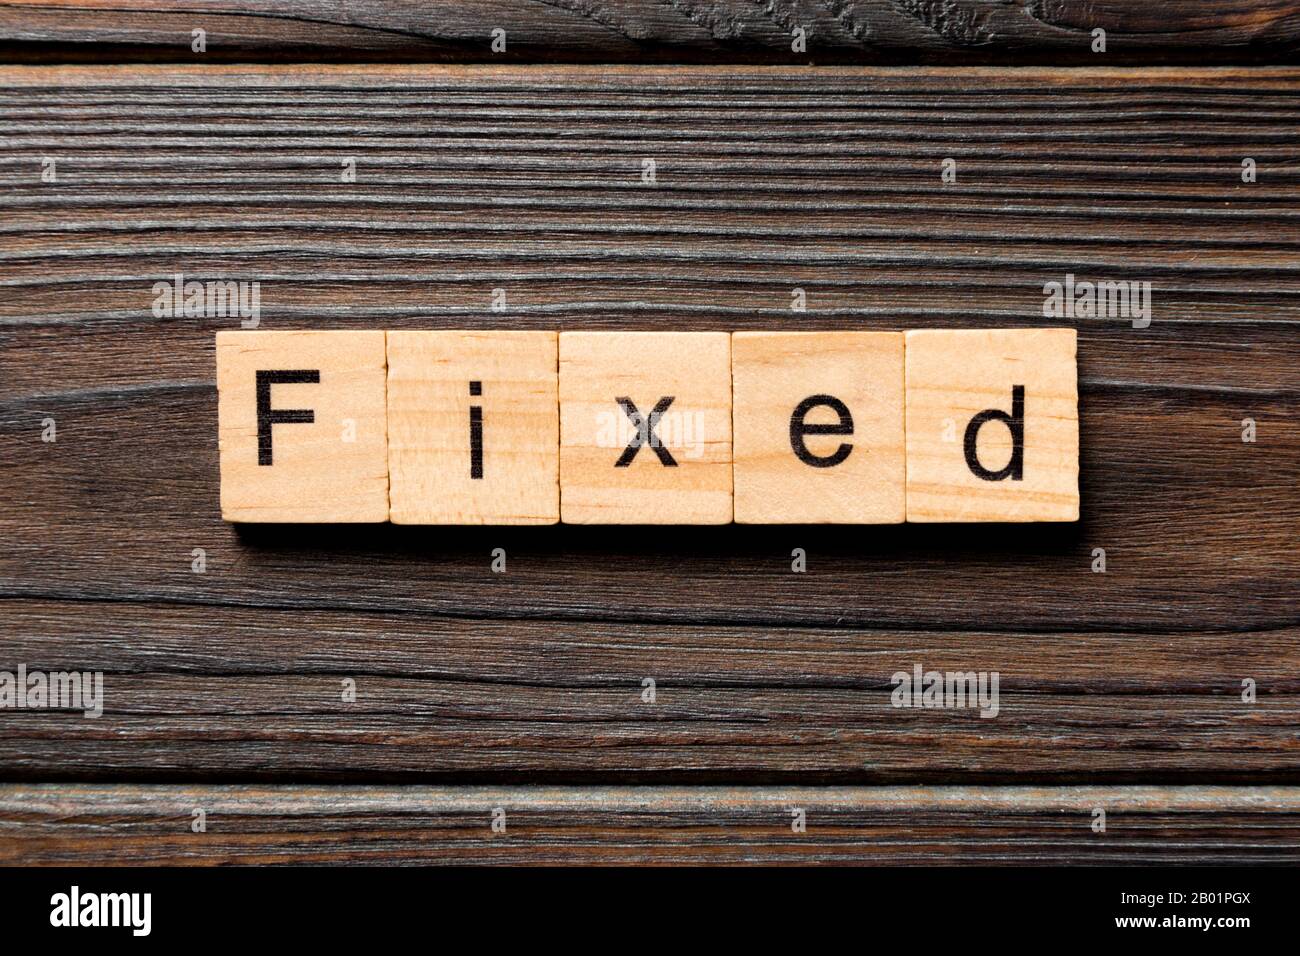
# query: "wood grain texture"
85,824
683,31
767,180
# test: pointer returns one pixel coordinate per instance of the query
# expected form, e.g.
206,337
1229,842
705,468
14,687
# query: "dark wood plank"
84,824
529,179
722,31
245,693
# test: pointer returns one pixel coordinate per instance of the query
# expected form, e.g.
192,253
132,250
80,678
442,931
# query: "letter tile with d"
992,425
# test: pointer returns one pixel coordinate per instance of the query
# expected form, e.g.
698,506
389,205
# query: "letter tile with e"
992,425
645,427
302,426
818,418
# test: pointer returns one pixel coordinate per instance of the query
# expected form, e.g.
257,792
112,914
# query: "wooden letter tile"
992,425
473,428
818,418
301,418
645,427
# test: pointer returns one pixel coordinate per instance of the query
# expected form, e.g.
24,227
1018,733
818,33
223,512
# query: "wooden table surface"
523,691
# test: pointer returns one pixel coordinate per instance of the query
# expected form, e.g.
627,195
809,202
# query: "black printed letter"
645,432
799,428
1016,423
267,416
476,433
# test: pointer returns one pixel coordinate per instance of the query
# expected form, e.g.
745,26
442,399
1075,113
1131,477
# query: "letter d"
1015,468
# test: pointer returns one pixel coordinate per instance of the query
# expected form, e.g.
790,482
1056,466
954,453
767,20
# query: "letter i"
476,433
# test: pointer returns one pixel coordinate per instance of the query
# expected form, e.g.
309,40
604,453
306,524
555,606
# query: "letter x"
645,432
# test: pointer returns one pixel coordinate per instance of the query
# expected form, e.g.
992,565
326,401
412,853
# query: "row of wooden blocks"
509,427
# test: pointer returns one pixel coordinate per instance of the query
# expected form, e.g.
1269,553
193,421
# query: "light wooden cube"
992,425
616,467
473,428
302,425
818,420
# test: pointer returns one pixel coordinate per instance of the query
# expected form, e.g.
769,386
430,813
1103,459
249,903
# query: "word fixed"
514,427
